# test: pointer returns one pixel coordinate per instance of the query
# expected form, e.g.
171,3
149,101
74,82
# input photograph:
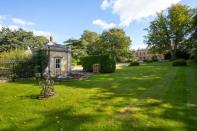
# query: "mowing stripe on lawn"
191,77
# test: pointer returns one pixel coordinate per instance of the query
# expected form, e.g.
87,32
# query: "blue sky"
66,19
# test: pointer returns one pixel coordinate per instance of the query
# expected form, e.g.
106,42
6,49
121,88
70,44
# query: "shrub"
148,61
24,69
167,56
107,63
180,62
19,55
135,63
179,55
18,62
182,55
40,60
154,58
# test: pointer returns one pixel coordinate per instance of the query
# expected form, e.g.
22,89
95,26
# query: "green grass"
150,97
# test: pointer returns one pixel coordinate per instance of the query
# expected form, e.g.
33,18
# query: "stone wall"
65,62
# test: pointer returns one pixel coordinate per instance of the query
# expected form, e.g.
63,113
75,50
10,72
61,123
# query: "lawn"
151,97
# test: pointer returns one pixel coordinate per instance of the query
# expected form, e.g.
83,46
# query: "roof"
57,47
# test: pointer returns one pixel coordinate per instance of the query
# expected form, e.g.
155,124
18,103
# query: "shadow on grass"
32,96
166,111
132,83
55,120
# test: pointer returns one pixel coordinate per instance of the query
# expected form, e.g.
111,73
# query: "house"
145,54
59,63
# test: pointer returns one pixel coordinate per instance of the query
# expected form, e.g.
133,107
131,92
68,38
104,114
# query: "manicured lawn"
151,97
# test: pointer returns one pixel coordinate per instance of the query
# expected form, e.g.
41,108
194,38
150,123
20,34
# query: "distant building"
145,54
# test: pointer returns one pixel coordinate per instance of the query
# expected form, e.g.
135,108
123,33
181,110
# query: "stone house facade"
145,54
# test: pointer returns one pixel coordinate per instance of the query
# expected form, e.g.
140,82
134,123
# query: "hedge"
180,62
107,63
135,63
148,61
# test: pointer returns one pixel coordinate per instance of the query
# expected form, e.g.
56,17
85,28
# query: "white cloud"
30,23
106,4
22,22
103,24
130,10
41,33
13,27
2,18
36,32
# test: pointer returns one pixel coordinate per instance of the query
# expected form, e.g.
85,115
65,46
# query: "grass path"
148,97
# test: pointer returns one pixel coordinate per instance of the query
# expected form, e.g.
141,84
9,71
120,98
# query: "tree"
25,37
91,39
7,40
116,42
83,46
40,41
194,36
169,31
17,39
113,41
78,47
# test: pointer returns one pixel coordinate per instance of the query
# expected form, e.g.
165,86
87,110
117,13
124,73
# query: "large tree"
18,39
116,42
91,40
78,47
170,30
39,41
113,41
194,29
194,36
85,45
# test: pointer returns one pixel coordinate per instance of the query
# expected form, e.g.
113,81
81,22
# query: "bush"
24,69
135,63
154,58
148,61
107,63
182,55
19,63
40,61
19,55
180,62
179,55
167,56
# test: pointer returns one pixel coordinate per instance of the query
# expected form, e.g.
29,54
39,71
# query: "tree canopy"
113,41
194,36
194,29
10,40
170,30
78,47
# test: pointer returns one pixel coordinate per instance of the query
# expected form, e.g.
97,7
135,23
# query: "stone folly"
59,64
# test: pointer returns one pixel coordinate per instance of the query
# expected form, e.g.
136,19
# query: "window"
57,63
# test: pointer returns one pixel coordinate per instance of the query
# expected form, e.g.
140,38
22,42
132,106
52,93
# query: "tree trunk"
173,55
173,51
